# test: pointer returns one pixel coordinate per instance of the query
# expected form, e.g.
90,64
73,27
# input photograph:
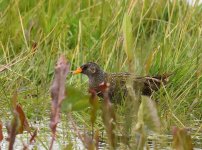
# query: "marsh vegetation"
147,37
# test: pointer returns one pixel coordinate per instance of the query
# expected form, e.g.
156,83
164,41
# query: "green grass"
163,37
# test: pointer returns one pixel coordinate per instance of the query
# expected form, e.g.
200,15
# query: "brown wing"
117,89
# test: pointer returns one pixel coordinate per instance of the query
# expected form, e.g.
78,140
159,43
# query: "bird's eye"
84,67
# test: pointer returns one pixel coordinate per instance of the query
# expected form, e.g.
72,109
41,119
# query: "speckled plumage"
118,82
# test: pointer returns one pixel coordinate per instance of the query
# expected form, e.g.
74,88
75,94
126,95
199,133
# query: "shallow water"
154,141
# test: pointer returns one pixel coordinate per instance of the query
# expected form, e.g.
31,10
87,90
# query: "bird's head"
89,69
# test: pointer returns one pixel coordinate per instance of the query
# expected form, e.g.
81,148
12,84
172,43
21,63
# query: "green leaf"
128,37
149,60
147,115
75,100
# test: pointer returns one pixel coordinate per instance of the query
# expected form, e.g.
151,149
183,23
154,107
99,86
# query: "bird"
117,82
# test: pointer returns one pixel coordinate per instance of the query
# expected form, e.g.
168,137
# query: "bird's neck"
97,79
